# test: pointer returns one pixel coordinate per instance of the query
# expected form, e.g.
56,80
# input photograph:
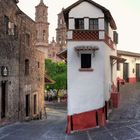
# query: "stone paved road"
124,123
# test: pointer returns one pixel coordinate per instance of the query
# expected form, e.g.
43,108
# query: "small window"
6,22
79,23
15,31
44,35
27,40
36,34
85,60
27,67
93,24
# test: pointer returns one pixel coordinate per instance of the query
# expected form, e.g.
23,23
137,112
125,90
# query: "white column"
70,35
101,27
101,24
86,23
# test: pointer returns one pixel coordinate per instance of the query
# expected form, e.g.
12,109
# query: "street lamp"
4,71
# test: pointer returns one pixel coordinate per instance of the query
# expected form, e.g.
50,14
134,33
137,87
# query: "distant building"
91,58
21,65
42,33
53,49
130,70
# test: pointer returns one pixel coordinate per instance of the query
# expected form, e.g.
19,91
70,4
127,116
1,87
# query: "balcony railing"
109,41
91,35
85,35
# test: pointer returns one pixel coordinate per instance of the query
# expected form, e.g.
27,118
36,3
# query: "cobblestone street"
124,123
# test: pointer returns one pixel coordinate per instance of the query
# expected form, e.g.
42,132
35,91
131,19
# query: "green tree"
57,71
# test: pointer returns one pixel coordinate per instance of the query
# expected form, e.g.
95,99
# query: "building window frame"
84,57
44,34
27,67
79,23
86,60
6,23
93,24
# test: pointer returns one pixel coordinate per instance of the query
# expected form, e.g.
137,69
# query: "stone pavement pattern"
124,123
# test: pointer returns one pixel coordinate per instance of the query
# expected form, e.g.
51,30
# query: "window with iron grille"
93,24
85,60
79,23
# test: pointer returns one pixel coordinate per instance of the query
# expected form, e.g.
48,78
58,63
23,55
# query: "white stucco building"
130,70
91,60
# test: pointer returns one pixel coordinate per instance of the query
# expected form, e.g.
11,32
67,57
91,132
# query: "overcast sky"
126,14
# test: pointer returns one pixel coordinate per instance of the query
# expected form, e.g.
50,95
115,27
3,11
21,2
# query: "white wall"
86,10
85,89
107,78
110,32
88,90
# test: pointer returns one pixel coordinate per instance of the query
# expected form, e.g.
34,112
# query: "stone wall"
17,43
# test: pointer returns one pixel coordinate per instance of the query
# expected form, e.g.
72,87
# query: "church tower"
61,31
42,27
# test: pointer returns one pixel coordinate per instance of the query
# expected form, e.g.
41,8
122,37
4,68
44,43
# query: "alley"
124,123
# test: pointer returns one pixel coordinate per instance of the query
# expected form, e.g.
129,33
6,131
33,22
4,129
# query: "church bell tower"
42,27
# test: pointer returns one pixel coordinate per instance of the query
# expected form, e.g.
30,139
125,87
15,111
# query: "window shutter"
115,37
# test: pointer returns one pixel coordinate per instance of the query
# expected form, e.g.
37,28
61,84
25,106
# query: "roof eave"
105,11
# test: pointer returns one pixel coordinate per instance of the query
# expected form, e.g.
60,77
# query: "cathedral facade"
42,33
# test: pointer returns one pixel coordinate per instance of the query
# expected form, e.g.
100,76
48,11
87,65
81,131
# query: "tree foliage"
57,71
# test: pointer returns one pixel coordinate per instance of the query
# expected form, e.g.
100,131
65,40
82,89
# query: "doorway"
3,99
138,72
35,104
125,72
27,105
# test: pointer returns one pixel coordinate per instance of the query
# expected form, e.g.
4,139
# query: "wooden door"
27,105
3,99
125,72
138,72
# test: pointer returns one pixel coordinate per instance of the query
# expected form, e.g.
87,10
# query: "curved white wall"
85,89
